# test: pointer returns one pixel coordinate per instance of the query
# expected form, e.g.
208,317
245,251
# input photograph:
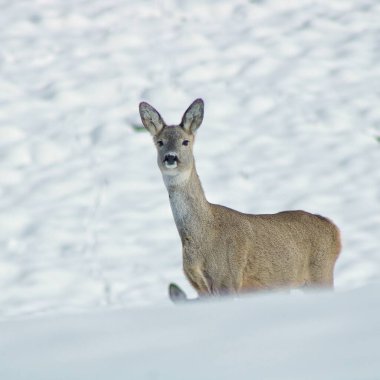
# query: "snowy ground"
292,115
270,337
291,92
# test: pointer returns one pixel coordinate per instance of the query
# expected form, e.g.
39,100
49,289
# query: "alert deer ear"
193,116
151,119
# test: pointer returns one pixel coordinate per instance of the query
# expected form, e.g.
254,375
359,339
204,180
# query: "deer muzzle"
171,160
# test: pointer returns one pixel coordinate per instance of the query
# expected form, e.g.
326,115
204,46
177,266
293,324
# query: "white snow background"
292,121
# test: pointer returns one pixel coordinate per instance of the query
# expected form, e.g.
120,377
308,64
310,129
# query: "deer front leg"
205,285
198,280
229,285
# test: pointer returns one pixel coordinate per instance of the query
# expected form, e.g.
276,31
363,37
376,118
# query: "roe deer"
226,251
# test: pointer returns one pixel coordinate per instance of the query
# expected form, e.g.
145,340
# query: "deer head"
174,143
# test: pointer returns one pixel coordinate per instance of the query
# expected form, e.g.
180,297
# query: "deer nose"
171,158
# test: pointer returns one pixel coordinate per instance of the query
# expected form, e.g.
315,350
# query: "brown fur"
226,251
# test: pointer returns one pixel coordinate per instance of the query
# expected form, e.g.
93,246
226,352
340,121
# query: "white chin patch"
171,166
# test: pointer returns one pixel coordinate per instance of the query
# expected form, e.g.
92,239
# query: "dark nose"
171,158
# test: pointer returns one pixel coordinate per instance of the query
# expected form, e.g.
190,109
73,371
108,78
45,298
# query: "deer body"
226,251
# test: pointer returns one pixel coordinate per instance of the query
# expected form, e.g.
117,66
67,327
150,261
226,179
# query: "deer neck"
188,203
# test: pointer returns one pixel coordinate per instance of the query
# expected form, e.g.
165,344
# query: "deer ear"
151,119
193,116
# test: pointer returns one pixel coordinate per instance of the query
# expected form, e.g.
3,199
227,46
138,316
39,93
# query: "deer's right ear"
151,119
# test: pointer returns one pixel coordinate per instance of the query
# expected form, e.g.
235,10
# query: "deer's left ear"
193,116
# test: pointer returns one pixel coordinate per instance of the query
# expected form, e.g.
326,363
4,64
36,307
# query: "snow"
293,337
291,93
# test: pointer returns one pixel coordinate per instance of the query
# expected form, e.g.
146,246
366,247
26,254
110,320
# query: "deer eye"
160,143
185,142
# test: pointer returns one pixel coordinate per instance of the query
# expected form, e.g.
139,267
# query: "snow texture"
292,121
272,337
